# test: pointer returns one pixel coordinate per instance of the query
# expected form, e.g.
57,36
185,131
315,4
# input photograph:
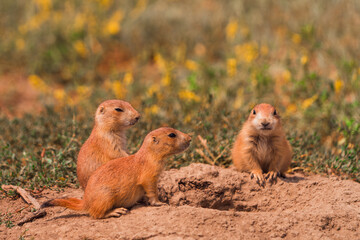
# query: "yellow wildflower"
354,76
291,108
57,17
187,118
188,95
180,53
105,3
92,25
231,30
309,101
80,48
139,8
239,100
304,59
191,65
83,91
286,76
113,25
153,110
119,89
37,20
44,5
231,67
128,78
166,80
153,89
79,21
296,38
338,85
246,52
34,23
20,44
59,95
117,16
160,62
38,83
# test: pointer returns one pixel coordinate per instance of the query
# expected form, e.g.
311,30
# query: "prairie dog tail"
71,203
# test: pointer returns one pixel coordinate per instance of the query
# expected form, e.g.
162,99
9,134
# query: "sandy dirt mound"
207,202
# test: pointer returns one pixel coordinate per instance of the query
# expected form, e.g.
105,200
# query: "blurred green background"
198,66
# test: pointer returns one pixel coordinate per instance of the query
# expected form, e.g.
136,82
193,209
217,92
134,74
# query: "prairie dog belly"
264,152
131,198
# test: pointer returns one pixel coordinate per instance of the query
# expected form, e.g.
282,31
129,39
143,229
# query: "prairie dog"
107,140
120,183
261,145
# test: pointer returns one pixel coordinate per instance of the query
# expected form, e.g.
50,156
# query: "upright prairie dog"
261,146
120,183
107,140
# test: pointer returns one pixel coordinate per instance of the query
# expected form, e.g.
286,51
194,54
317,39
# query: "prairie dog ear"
155,140
102,109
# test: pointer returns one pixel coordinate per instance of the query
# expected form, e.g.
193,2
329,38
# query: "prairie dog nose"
265,124
137,117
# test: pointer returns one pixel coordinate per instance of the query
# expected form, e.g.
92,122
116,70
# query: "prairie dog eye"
254,112
275,113
119,110
172,135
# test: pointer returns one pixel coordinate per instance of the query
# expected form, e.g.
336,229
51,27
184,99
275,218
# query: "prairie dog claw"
258,177
272,176
155,202
117,212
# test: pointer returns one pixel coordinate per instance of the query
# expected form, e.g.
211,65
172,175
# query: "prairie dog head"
166,141
116,115
264,118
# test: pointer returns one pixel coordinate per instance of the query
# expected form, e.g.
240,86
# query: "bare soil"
18,96
207,202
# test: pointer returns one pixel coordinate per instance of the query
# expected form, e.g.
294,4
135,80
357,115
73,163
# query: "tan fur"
259,151
107,140
122,182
